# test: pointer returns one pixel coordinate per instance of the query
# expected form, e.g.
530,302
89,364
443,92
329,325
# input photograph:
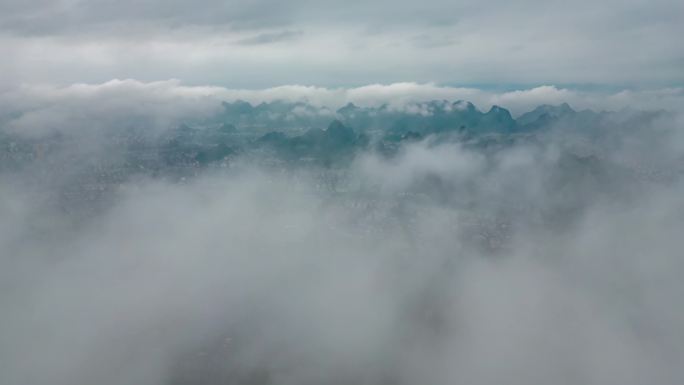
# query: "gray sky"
265,43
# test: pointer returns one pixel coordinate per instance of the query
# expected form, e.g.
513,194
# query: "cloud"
41,109
346,44
546,258
532,262
437,269
38,110
268,38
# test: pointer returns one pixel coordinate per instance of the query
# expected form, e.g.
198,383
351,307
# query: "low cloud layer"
257,279
549,256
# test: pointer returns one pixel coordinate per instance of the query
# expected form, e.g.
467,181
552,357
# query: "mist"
532,257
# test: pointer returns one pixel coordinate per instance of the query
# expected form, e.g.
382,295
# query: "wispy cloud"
270,38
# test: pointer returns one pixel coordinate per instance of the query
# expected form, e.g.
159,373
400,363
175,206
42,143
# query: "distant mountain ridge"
288,136
283,131
424,118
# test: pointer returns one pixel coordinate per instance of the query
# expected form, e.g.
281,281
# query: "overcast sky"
265,43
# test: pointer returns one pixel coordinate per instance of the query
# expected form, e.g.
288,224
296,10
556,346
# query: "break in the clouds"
334,43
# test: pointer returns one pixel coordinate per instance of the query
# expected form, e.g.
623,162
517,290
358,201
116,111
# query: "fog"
553,259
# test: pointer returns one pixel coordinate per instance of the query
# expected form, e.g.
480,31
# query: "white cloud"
43,108
231,275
